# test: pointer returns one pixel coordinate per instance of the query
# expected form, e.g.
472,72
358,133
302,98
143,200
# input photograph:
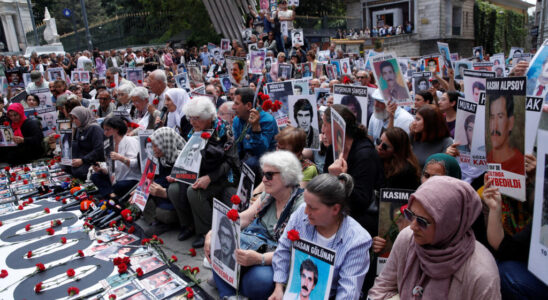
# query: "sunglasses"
383,145
269,175
421,221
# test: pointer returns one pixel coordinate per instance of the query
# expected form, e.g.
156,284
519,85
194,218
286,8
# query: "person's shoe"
185,234
157,228
198,242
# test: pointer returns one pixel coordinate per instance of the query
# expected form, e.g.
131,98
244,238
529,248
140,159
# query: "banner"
464,129
140,196
390,79
225,239
533,110
187,166
338,133
245,186
355,98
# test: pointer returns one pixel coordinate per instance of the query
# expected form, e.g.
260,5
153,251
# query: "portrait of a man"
433,65
393,90
541,85
421,84
309,279
460,68
238,71
226,245
469,129
500,125
304,114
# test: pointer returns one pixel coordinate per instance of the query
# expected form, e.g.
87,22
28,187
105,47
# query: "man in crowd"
37,83
365,79
386,115
106,106
157,82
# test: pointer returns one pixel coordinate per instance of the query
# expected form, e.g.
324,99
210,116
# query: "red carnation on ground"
40,267
192,252
195,270
27,227
7,169
20,207
173,258
1,223
25,181
50,231
232,215
267,105
111,297
293,235
122,227
122,268
44,175
131,229
70,272
81,253
156,101
139,272
26,169
235,199
126,260
29,254
186,268
99,241
3,274
63,240
116,261
145,241
6,123
38,287
206,135
112,224
30,200
73,291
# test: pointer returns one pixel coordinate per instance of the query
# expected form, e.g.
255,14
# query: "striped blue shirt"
351,244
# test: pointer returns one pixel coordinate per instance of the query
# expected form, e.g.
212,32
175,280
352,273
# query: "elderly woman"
175,100
194,203
263,224
27,134
87,142
142,112
126,149
166,146
437,256
323,220
123,98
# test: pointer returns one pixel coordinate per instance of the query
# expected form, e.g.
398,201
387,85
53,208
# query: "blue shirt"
256,143
351,244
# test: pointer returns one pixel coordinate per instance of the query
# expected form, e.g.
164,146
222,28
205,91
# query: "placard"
245,186
464,129
225,239
140,196
303,114
390,79
187,166
355,98
338,133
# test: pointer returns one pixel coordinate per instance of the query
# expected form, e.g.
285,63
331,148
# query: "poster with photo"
479,159
477,52
135,75
390,79
297,37
474,84
6,139
108,147
146,151
311,272
523,57
64,126
345,68
159,279
195,75
182,81
18,98
537,73
538,251
285,71
44,95
140,196
187,166
464,129
303,114
483,66
15,79
337,66
126,290
26,78
515,50
323,56
320,70
225,239
65,143
421,81
498,64
281,92
300,86
331,71
392,202
225,83
445,54
306,70
237,70
432,63
225,44
56,74
48,119
338,133
533,110
245,187
257,62
460,66
504,134
321,96
3,86
354,97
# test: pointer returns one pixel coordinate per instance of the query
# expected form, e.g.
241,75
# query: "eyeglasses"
269,175
104,99
382,144
410,216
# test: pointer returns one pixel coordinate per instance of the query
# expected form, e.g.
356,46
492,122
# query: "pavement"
172,246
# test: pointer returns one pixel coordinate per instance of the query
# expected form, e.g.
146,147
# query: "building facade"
16,21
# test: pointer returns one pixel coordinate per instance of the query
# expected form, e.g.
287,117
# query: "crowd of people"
459,238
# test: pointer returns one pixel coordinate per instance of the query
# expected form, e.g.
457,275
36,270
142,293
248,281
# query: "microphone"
164,111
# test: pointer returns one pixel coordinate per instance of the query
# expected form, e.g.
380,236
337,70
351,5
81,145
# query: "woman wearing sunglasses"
324,221
437,256
262,225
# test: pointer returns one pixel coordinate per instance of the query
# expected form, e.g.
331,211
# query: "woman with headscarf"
175,100
87,142
437,256
27,134
166,146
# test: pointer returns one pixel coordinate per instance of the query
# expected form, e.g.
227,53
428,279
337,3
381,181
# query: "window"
457,20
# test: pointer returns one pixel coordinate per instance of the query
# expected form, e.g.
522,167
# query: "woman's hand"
491,196
338,166
248,258
378,244
530,165
116,156
77,162
18,139
170,179
202,183
157,190
278,293
452,150
207,246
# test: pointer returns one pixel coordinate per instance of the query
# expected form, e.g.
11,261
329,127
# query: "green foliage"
95,12
498,29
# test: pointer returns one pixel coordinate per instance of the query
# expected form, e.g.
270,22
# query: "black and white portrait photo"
303,113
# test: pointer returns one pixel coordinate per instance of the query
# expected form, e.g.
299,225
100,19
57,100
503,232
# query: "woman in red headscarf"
27,134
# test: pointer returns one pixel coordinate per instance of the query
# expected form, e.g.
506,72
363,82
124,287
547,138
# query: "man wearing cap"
37,83
387,115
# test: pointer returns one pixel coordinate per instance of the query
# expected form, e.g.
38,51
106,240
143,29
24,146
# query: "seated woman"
87,142
194,203
123,99
27,134
126,165
175,101
429,133
263,224
142,112
166,146
401,167
323,220
437,256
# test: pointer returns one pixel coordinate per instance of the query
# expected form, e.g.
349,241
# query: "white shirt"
84,61
402,119
161,99
33,86
129,148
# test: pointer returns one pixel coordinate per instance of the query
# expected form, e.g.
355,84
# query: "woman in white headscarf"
175,100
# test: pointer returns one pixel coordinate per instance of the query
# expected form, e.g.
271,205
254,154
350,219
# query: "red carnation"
232,215
1,223
293,235
148,140
186,268
235,199
30,200
40,267
150,175
38,287
139,272
73,291
70,272
131,229
195,270
126,260
346,80
27,227
139,81
25,181
129,219
121,227
190,295
122,268
402,208
6,123
3,274
173,258
35,113
26,169
20,207
81,253
56,136
112,84
206,135
44,175
99,241
112,297
29,254
64,201
46,210
145,241
57,198
192,252
267,105
7,168
54,128
116,261
133,125
155,101
112,224
50,231
63,240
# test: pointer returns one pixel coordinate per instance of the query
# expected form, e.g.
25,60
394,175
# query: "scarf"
18,108
179,97
450,164
84,115
432,266
170,142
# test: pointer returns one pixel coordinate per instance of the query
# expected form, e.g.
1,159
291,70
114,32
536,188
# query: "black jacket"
88,144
